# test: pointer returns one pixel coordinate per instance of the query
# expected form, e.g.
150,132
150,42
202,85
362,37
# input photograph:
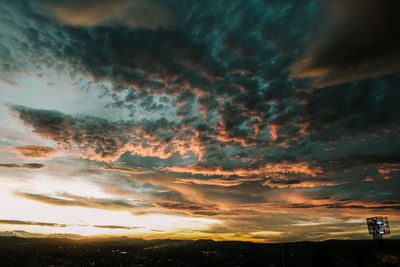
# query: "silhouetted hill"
16,251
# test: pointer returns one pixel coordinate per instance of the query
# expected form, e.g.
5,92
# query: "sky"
255,120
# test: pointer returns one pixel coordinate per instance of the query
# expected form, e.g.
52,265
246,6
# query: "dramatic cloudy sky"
259,120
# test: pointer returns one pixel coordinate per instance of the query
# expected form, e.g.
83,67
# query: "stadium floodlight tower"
378,226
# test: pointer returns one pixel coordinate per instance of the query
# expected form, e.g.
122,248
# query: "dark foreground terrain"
136,252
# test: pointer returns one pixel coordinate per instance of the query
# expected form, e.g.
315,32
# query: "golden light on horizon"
83,221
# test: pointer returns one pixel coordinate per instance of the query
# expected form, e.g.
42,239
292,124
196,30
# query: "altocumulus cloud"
227,103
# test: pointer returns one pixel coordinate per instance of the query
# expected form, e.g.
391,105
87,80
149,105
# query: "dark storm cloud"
354,110
144,59
359,42
175,59
149,59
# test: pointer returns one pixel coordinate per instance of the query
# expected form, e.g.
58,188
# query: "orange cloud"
126,169
34,151
274,131
224,136
268,169
136,13
216,182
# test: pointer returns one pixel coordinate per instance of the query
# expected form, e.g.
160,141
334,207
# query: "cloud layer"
34,151
214,111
